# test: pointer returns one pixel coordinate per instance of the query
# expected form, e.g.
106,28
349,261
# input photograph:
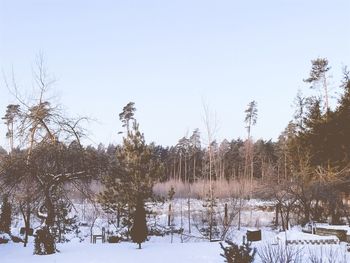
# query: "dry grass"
200,189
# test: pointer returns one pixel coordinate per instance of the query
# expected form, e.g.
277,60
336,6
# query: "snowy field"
188,248
161,250
112,253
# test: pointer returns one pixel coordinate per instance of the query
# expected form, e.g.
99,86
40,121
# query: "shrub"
329,254
44,243
280,253
16,239
4,238
234,253
114,239
5,216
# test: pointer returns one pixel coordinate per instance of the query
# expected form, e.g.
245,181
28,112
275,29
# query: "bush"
114,239
238,254
139,229
44,243
4,238
5,216
280,253
64,223
330,254
16,239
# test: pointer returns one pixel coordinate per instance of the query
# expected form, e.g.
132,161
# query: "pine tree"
139,229
64,223
318,77
5,216
134,175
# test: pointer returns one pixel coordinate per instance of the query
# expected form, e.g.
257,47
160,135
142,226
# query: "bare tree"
250,120
44,132
211,127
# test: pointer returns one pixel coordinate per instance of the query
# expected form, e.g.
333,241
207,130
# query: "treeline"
304,171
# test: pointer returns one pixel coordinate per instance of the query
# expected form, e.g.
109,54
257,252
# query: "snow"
160,249
296,235
5,236
256,215
110,253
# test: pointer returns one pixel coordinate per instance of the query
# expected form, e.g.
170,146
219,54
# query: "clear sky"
170,56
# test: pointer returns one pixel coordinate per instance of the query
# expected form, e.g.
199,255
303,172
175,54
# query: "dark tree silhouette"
5,216
234,253
139,229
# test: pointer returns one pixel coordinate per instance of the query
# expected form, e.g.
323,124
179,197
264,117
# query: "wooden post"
169,215
277,212
103,235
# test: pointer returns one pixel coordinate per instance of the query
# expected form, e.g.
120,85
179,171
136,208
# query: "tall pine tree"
134,174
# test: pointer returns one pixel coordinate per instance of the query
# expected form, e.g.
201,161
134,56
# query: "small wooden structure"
253,235
102,236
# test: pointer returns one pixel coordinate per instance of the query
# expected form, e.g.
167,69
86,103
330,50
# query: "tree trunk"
277,212
118,216
26,217
169,215
189,211
180,169
282,220
239,213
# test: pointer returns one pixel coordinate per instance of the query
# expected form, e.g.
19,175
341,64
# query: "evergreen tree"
318,77
238,254
133,176
5,216
342,122
64,223
251,116
139,229
44,243
127,115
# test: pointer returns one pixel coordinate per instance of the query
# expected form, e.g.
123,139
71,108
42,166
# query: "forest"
46,170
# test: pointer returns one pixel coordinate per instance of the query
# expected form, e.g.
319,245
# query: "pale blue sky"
169,56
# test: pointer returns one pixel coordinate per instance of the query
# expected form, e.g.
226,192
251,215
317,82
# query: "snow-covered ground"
160,249
257,214
111,253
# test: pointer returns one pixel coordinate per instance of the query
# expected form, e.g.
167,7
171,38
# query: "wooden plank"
341,234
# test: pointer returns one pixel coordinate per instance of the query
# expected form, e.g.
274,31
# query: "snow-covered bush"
329,254
44,242
4,238
279,253
234,253
113,239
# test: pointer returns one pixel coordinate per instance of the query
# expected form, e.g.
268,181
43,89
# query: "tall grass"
200,188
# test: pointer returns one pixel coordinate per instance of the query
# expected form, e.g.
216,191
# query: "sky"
170,58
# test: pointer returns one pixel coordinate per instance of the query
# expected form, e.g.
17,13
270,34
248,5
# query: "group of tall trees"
308,165
316,148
